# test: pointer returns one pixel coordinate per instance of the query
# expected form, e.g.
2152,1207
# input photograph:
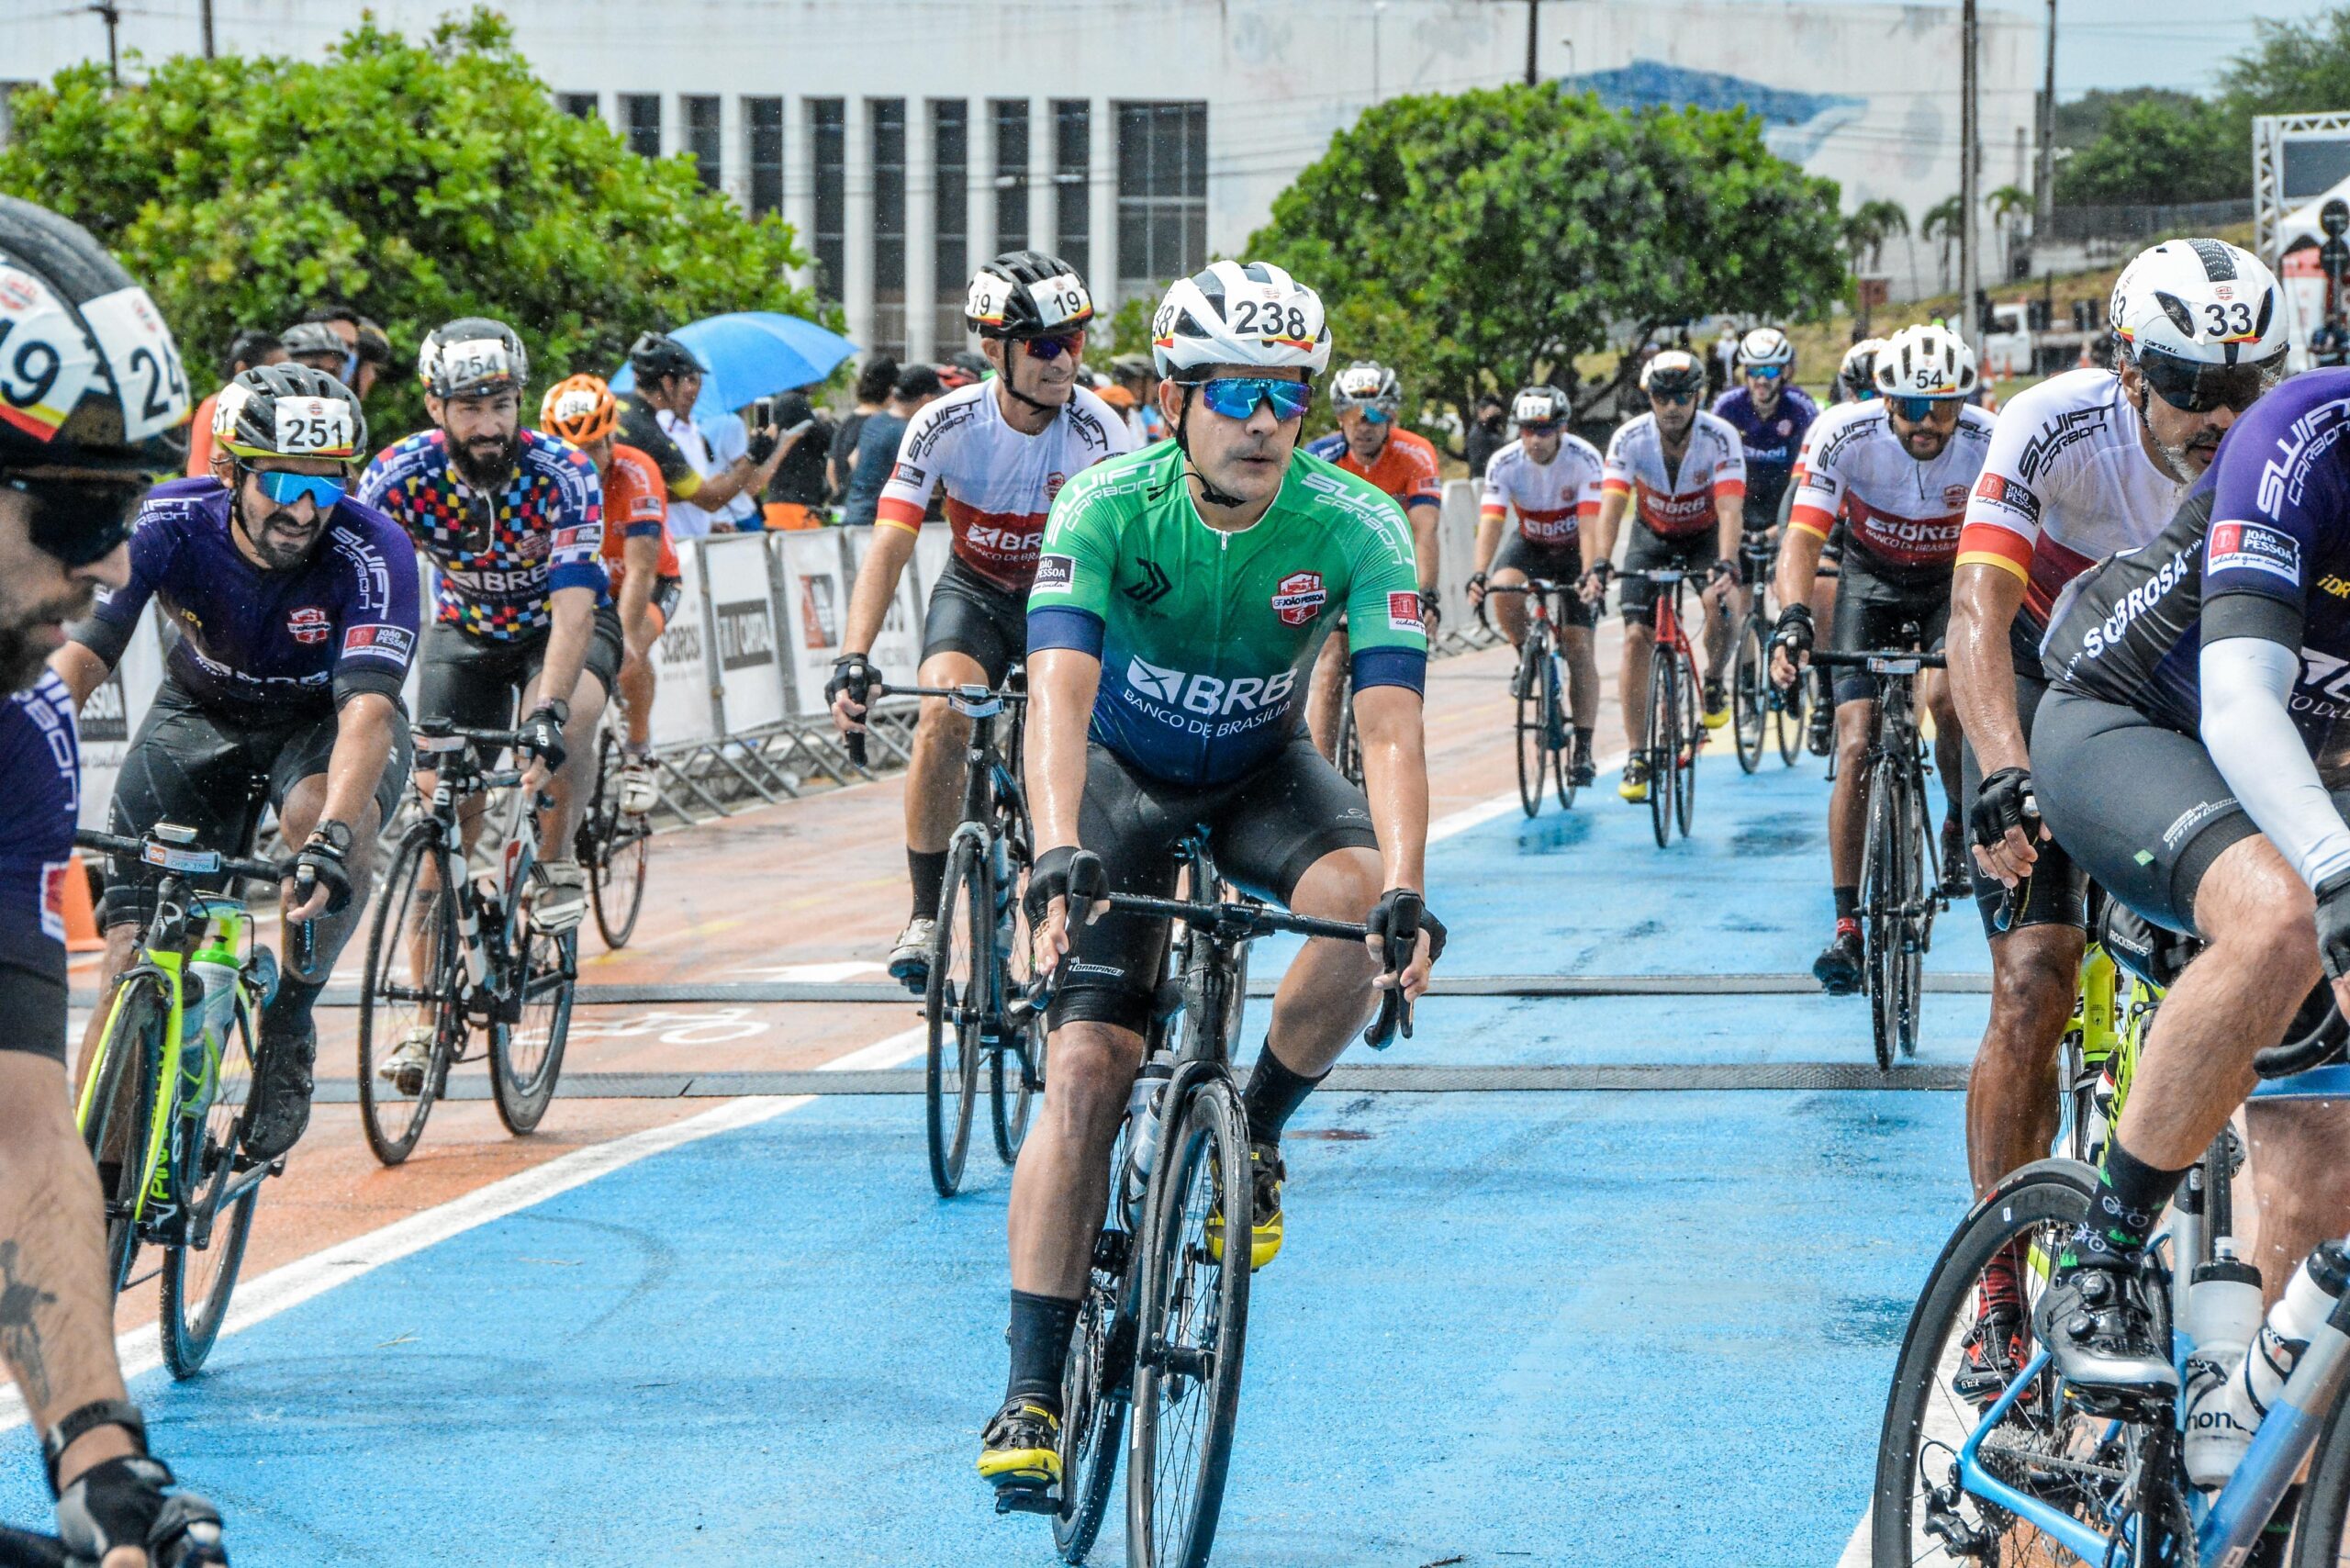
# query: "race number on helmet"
2204,301
1925,361
580,409
1538,406
288,411
472,356
1251,313
1364,383
1026,294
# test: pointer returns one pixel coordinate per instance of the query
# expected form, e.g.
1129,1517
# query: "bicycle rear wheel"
614,846
1692,739
1349,743
1560,725
1662,741
1094,1388
526,1055
1910,952
954,1006
1533,723
119,1109
2025,1223
1194,1310
410,986
1792,709
197,1281
1749,698
2320,1539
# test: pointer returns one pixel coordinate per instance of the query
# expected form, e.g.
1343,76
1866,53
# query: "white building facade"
906,141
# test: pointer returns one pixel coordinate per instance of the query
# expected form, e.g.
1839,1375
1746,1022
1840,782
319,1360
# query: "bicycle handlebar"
188,859
1867,659
1245,921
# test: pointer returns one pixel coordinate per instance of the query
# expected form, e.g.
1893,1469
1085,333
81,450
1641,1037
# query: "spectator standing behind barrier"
800,479
1487,434
874,385
668,382
876,442
724,441
248,350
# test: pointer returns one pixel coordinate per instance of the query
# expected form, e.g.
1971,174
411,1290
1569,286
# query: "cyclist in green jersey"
1181,595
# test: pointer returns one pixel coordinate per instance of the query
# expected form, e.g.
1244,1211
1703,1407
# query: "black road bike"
1901,881
453,950
976,1004
1545,729
1761,713
1156,1353
612,847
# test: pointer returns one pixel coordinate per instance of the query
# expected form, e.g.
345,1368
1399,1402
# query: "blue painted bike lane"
1547,1327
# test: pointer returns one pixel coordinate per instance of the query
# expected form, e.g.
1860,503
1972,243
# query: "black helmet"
313,338
1026,294
94,379
656,355
94,385
289,410
470,357
1539,405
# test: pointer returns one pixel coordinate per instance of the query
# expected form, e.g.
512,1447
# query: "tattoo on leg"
20,1333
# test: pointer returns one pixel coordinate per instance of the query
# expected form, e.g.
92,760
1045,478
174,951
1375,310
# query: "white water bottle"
2223,1316
2299,1314
1142,1131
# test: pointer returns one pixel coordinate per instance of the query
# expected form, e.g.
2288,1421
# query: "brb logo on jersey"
1299,597
307,625
1206,705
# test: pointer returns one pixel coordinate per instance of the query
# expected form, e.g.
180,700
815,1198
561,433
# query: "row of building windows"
1161,152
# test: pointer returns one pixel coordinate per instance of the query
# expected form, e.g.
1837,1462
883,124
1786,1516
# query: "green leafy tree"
418,181
1485,239
2292,67
2008,206
2158,151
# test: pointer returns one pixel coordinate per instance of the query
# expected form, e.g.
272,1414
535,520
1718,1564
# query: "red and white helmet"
2201,301
1239,313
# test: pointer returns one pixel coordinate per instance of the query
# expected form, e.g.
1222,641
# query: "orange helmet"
579,409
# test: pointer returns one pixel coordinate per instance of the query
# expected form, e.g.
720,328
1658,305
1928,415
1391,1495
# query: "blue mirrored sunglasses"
1377,416
1053,348
1236,397
1764,372
1917,411
287,488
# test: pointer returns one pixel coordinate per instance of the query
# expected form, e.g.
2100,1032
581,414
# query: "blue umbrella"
750,355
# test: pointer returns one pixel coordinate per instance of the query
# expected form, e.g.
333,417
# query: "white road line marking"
1454,823
903,1047
813,974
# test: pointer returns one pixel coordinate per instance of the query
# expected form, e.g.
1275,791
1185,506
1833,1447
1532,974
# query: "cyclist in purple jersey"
513,519
1771,414
296,613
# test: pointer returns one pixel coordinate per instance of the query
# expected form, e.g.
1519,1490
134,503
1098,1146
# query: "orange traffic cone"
80,920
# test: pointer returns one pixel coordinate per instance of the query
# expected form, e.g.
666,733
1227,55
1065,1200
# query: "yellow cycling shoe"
1717,705
1266,1174
1634,785
1020,1451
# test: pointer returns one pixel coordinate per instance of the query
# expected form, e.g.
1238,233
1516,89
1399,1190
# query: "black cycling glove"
1400,915
323,859
1794,632
1066,871
1724,569
2005,800
854,674
123,1502
543,732
2333,926
1476,583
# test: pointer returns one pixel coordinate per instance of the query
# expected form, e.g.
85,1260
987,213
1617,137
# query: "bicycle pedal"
1010,1499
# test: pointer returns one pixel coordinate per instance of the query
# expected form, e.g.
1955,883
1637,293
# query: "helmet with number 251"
288,411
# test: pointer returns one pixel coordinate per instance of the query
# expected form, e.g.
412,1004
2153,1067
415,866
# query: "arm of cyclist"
1488,539
1395,778
640,567
1984,600
364,727
575,625
1729,507
1791,644
1613,500
869,606
1062,687
1425,516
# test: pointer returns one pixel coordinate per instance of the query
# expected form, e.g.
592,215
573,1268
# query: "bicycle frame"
458,778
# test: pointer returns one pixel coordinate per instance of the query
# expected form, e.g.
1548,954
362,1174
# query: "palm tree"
1870,226
1941,225
2006,203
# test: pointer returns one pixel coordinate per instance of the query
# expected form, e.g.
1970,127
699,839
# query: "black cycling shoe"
1956,883
1583,770
1991,1356
1020,1456
1838,968
1823,739
2101,1338
282,1094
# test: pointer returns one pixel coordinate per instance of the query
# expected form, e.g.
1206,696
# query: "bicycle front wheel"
1533,722
410,994
526,1055
1880,899
1789,712
1692,739
118,1111
1749,698
1663,743
1909,955
1018,1062
1561,723
619,846
2320,1537
955,1008
1968,1336
1195,1325
1349,744
197,1281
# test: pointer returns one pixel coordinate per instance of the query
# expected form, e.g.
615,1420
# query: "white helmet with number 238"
1239,313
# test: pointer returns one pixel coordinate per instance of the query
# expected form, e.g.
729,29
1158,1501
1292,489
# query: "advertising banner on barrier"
814,586
111,717
1456,553
684,705
897,651
744,631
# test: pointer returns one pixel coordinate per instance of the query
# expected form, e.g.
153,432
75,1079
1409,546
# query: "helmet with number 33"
2203,302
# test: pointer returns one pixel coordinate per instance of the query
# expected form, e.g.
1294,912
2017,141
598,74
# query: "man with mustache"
297,613
81,431
2082,465
513,521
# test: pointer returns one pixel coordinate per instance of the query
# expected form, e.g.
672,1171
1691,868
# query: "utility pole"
2045,193
1533,36
205,9
1970,132
113,15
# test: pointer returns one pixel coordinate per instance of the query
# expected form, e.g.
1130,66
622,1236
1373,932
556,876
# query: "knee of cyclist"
1094,1066
2034,995
2277,935
937,721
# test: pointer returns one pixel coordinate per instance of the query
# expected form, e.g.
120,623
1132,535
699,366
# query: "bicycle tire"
393,1122
1017,1063
2318,1528
1173,1526
615,848
1558,721
1349,744
526,1055
1879,896
1917,907
1925,1419
1692,741
1532,725
195,1303
953,1017
1661,744
1750,706
1793,707
125,1066
1093,1396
